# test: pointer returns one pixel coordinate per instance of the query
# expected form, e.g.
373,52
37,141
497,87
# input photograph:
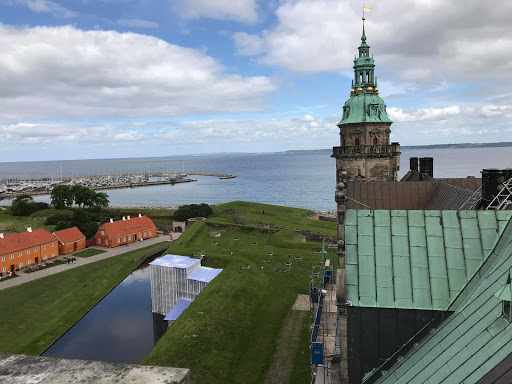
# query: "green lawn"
147,211
8,222
89,252
229,333
37,313
252,214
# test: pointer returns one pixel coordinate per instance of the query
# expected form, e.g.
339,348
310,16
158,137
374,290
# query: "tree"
24,205
185,212
100,200
80,195
62,196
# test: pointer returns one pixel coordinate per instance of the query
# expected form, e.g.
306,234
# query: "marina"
43,186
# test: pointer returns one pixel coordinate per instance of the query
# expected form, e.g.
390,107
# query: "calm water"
120,328
297,180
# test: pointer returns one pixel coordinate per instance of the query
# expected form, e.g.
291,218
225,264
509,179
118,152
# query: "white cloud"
421,41
137,23
44,6
238,10
417,114
64,72
248,45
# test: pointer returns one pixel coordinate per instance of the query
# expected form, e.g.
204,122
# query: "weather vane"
366,9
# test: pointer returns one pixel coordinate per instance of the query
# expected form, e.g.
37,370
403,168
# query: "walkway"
26,277
328,372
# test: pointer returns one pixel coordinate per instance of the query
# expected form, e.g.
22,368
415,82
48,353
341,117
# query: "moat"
120,328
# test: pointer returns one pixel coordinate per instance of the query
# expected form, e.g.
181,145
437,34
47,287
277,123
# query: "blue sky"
123,78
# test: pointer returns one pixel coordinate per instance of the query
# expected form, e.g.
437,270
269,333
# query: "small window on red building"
358,142
375,141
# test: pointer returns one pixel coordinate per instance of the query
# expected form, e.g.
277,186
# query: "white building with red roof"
125,231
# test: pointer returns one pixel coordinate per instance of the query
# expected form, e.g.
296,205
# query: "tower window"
358,142
375,141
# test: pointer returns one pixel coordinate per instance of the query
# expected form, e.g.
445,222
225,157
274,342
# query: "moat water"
120,328
303,180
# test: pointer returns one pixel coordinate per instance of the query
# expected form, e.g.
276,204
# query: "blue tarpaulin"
175,261
204,274
177,309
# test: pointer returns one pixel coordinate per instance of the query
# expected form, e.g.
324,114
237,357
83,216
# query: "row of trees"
64,196
186,212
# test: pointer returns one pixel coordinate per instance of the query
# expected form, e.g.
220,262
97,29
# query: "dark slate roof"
433,194
448,196
500,374
474,340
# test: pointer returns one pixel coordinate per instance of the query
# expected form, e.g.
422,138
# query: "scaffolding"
175,278
504,197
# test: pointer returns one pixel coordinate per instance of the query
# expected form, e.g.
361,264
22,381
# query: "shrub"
54,219
185,212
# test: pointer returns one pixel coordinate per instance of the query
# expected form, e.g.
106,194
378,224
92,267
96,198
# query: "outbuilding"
125,231
70,240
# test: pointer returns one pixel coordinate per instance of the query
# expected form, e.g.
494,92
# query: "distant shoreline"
430,146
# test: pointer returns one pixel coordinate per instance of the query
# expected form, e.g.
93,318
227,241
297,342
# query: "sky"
86,79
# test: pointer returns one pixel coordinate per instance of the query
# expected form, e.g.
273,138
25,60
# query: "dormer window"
505,295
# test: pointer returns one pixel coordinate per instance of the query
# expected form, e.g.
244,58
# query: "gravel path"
26,277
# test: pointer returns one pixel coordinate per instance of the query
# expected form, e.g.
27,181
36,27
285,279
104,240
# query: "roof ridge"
482,272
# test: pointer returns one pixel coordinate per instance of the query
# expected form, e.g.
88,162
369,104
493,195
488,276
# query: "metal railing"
376,150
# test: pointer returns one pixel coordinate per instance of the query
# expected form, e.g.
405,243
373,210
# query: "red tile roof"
25,240
69,235
127,227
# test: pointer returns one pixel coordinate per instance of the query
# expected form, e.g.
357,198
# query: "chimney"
414,164
427,166
111,220
1,235
128,217
492,178
140,215
29,229
124,218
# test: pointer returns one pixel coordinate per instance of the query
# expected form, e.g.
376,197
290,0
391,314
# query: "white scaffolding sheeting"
177,277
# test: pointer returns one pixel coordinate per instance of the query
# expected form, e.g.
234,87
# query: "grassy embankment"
37,313
154,213
11,223
231,332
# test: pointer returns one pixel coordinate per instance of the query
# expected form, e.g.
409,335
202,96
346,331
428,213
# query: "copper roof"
25,240
127,227
69,235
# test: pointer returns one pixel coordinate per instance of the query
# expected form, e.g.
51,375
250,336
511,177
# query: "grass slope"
8,222
37,313
230,332
285,217
89,252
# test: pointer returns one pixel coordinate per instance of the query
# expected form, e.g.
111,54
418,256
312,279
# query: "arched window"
375,141
358,142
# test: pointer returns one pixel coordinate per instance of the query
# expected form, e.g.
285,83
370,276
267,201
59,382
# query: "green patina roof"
364,107
475,338
416,259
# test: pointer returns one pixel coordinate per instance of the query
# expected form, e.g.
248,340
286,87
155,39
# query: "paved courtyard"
26,277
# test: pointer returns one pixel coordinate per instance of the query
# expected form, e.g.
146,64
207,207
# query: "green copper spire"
364,104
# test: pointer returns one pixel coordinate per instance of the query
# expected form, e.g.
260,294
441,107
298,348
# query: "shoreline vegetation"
430,146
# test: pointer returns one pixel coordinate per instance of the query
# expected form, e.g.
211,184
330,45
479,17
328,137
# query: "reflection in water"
159,326
120,328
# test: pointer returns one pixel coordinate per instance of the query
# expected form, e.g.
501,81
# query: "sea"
302,180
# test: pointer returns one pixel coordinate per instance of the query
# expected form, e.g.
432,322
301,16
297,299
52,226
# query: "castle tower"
365,152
